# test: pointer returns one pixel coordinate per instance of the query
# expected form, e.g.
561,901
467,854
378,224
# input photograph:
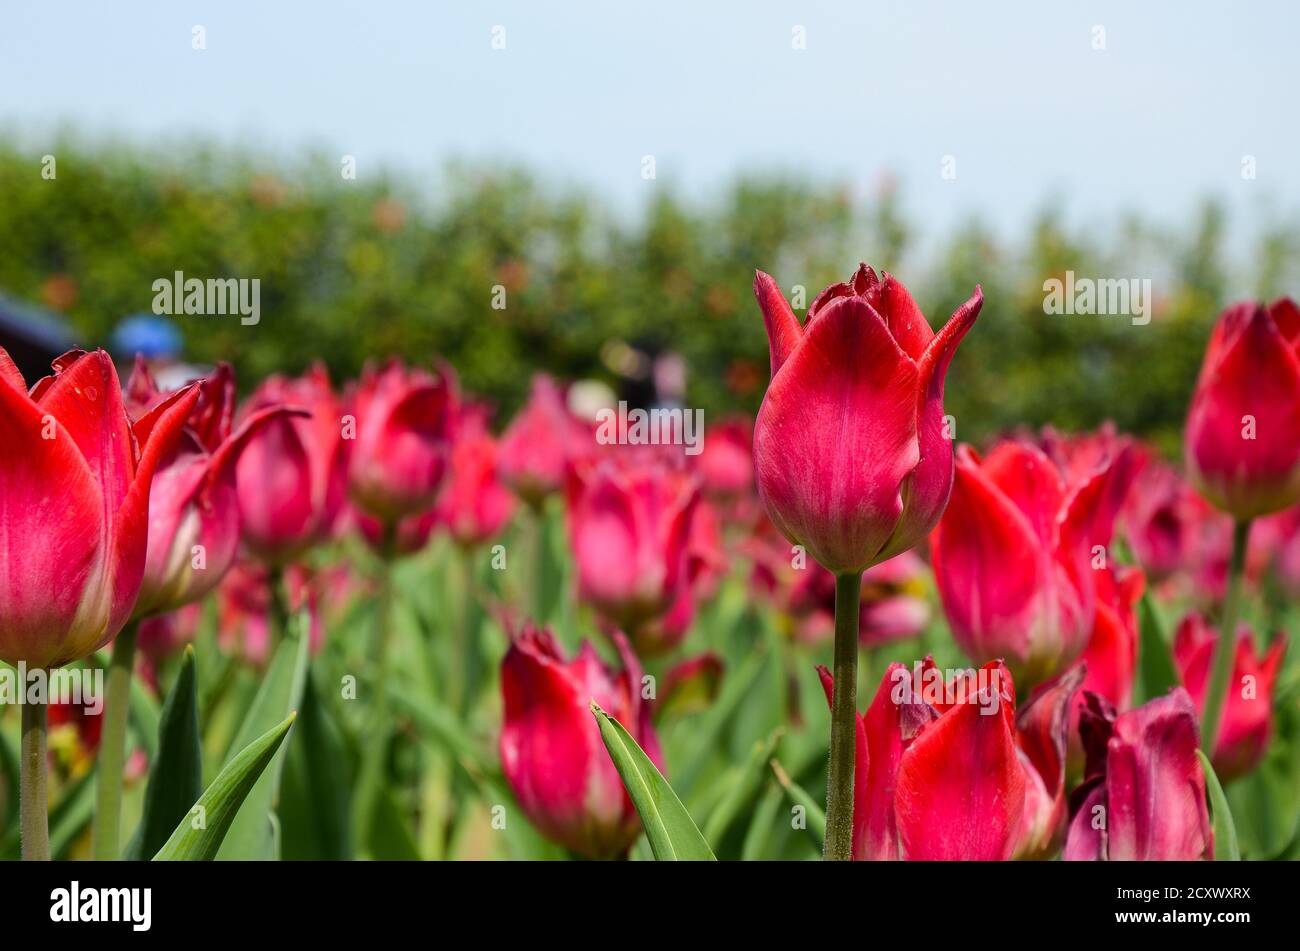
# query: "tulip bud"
1247,723
540,443
290,477
1016,555
1143,795
404,422
551,750
194,507
75,480
630,526
1243,428
852,456
474,503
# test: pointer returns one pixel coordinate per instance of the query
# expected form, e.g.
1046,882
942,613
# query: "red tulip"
726,463
1015,560
551,750
474,504
1110,659
1243,428
290,477
629,528
540,443
851,454
411,535
75,478
937,773
1248,710
1175,534
1043,736
404,419
1143,795
194,508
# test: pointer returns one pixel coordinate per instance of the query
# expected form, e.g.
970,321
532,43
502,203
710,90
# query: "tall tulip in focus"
291,476
1143,794
75,479
551,751
1242,445
630,522
852,457
1016,555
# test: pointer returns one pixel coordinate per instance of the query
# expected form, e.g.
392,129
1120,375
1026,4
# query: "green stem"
1225,651
34,806
844,707
278,608
370,775
539,554
112,746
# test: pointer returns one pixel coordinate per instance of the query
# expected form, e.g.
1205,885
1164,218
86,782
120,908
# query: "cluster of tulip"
123,508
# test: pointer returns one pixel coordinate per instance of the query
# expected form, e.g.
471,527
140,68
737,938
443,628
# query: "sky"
1015,93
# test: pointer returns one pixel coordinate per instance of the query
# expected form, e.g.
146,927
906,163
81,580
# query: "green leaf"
143,715
1225,831
9,794
176,776
813,813
742,784
315,811
251,833
1156,671
668,826
221,802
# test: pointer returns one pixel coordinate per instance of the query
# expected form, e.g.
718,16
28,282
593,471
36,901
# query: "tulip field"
375,618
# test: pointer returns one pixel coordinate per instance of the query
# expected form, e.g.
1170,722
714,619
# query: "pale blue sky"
583,90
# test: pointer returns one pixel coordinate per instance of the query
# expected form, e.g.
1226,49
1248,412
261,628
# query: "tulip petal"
928,487
1043,727
51,532
783,330
836,436
987,563
1155,787
903,317
9,372
961,788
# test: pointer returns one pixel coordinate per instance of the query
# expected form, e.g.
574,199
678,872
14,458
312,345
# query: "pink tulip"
75,480
1016,554
851,454
541,442
290,476
1243,429
726,464
194,507
404,421
411,535
474,504
1043,729
629,529
1248,711
1143,795
551,750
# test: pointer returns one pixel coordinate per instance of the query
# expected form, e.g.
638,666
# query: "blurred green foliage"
389,264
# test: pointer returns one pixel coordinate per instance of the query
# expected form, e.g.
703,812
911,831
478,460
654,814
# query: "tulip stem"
32,796
844,708
112,746
1225,650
